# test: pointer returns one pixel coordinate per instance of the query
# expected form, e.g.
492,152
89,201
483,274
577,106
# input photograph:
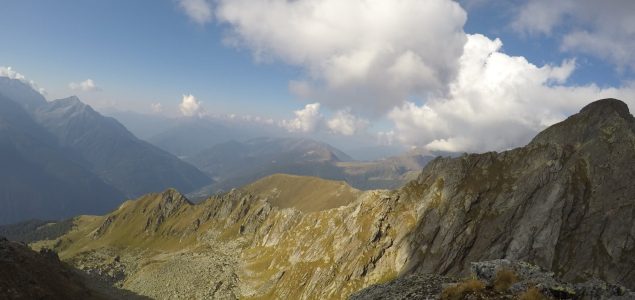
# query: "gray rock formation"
565,202
525,277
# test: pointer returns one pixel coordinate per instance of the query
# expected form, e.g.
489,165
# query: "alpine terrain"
563,203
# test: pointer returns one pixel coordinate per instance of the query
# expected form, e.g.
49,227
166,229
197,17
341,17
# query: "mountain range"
95,152
63,158
564,203
233,164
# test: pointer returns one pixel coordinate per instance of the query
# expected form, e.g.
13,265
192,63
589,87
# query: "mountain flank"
565,203
62,158
39,178
113,153
304,193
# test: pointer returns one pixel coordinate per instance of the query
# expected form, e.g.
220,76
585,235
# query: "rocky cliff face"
565,202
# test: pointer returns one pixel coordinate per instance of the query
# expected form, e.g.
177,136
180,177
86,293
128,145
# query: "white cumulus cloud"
190,106
496,102
87,85
345,123
199,11
364,54
307,119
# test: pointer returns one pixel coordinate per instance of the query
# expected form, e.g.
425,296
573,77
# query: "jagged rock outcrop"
496,279
565,202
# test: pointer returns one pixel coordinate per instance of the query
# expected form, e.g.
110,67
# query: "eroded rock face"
565,202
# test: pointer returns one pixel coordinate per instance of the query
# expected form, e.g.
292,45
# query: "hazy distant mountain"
68,132
189,136
16,89
142,125
38,179
233,164
112,152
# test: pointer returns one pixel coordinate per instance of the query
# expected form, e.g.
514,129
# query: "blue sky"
138,52
391,72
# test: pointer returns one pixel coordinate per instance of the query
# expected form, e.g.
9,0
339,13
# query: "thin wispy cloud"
604,29
156,108
199,11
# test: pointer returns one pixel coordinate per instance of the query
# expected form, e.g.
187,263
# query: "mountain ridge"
41,179
564,207
103,145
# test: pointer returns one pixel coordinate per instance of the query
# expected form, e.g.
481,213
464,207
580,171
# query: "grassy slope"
304,193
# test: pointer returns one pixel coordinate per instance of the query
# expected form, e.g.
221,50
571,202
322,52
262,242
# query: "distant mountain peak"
71,100
21,93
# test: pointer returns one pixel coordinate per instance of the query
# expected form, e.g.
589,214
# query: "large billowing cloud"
190,106
364,54
496,102
410,61
605,29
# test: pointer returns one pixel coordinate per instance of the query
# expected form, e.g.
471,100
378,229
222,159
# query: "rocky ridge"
564,203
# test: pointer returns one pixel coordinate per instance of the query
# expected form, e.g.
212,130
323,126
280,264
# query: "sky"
440,75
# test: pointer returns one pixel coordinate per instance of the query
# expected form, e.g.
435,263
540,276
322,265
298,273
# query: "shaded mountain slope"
38,179
27,274
36,230
564,202
103,145
112,152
